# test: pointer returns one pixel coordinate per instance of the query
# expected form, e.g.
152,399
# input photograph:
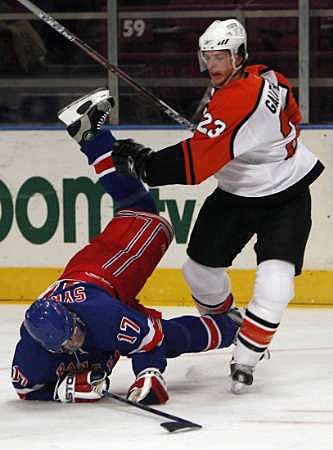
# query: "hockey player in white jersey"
249,141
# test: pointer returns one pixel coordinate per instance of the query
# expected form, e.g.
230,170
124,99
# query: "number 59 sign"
135,29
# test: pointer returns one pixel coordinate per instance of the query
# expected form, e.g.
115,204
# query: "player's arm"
140,337
31,375
41,392
80,387
72,388
195,159
120,328
148,358
189,162
34,376
167,166
29,379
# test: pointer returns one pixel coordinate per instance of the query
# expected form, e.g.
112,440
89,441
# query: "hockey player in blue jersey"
73,335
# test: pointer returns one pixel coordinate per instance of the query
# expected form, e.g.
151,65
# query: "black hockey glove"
130,158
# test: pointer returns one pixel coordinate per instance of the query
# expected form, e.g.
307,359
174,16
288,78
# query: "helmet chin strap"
233,62
77,358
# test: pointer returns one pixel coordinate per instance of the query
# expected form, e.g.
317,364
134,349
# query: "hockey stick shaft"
67,34
186,423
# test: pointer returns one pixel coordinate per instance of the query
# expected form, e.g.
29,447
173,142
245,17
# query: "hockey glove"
130,158
86,386
149,388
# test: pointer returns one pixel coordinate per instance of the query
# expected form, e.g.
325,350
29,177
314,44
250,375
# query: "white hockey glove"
149,388
86,386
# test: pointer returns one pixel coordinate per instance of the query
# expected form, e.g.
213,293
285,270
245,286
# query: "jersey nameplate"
272,101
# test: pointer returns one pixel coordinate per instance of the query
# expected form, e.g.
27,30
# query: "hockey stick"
173,114
176,424
203,102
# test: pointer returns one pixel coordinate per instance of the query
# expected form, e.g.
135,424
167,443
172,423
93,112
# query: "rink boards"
51,205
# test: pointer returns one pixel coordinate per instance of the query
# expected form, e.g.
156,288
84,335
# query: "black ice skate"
85,116
241,376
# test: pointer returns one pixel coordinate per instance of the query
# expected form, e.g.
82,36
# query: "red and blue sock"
126,191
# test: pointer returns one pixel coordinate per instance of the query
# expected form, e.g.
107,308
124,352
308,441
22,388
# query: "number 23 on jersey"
210,126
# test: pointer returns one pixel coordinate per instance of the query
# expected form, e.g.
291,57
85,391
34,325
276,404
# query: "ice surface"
290,406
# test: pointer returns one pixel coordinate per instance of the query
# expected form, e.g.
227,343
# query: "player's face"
219,65
75,342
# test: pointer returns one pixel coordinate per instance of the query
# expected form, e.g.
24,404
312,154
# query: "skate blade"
238,388
79,107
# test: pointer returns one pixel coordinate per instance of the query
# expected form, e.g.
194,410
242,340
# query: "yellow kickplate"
167,287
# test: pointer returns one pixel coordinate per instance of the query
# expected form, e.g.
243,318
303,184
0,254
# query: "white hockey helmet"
224,35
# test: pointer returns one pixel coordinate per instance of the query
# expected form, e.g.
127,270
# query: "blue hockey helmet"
49,323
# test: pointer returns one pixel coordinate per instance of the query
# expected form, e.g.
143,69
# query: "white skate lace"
102,120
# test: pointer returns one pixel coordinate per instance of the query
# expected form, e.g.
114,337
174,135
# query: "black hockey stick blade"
180,426
176,423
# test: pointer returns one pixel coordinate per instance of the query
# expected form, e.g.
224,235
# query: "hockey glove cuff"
149,388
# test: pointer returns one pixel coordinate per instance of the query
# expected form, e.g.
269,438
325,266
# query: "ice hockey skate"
241,377
86,115
242,374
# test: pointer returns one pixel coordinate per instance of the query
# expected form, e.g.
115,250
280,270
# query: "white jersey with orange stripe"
248,138
267,159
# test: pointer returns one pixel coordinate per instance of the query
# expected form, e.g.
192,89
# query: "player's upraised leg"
132,244
84,119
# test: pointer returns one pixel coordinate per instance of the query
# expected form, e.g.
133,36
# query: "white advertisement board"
50,202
